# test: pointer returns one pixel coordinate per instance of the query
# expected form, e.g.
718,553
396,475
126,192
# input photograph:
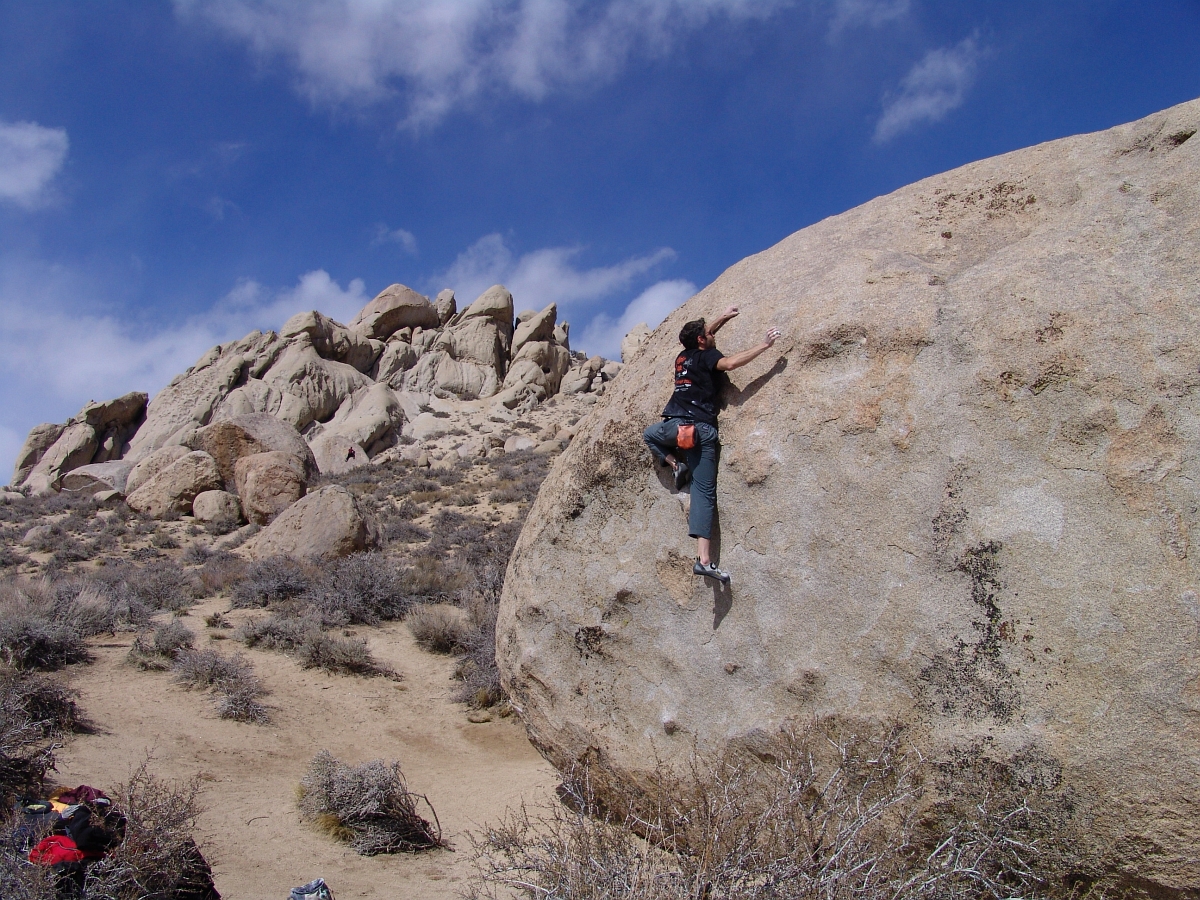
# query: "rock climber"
695,402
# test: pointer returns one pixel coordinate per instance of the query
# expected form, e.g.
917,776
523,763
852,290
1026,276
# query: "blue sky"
175,174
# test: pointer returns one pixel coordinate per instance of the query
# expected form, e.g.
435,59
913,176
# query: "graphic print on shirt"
682,372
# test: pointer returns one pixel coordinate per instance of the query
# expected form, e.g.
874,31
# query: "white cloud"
932,88
30,156
55,354
437,54
871,13
384,235
541,277
604,333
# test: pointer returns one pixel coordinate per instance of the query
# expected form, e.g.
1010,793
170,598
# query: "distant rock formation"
243,431
961,493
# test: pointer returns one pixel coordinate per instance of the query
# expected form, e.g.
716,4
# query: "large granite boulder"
394,308
537,326
153,464
268,483
176,486
325,524
229,440
321,385
369,418
960,493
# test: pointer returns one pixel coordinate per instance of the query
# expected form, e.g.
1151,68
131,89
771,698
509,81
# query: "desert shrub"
195,554
277,632
369,806
437,627
271,581
38,628
400,531
220,570
362,589
825,813
103,601
35,710
164,540
232,678
339,654
163,584
11,557
405,509
158,856
156,651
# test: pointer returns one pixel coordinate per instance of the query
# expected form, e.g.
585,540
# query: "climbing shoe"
710,571
682,475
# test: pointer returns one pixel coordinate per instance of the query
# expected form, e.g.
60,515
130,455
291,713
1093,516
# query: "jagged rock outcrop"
99,433
961,492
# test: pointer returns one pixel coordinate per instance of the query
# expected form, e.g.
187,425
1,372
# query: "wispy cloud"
541,277
932,88
384,235
30,156
437,54
849,14
604,333
56,354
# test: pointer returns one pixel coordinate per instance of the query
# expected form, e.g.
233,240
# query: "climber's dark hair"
690,333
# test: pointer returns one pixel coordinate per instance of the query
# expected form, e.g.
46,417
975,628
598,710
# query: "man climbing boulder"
687,439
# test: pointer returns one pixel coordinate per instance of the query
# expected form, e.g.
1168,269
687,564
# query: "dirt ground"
250,830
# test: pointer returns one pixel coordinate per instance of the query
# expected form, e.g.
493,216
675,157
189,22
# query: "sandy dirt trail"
251,831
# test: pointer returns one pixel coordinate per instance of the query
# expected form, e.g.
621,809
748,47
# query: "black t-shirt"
696,387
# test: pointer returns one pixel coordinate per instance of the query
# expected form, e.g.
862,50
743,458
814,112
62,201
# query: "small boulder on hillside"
326,524
105,476
219,508
268,483
176,486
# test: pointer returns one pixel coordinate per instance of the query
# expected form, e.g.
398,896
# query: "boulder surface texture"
960,493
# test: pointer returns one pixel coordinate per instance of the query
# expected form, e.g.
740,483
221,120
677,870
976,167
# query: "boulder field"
239,435
960,493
